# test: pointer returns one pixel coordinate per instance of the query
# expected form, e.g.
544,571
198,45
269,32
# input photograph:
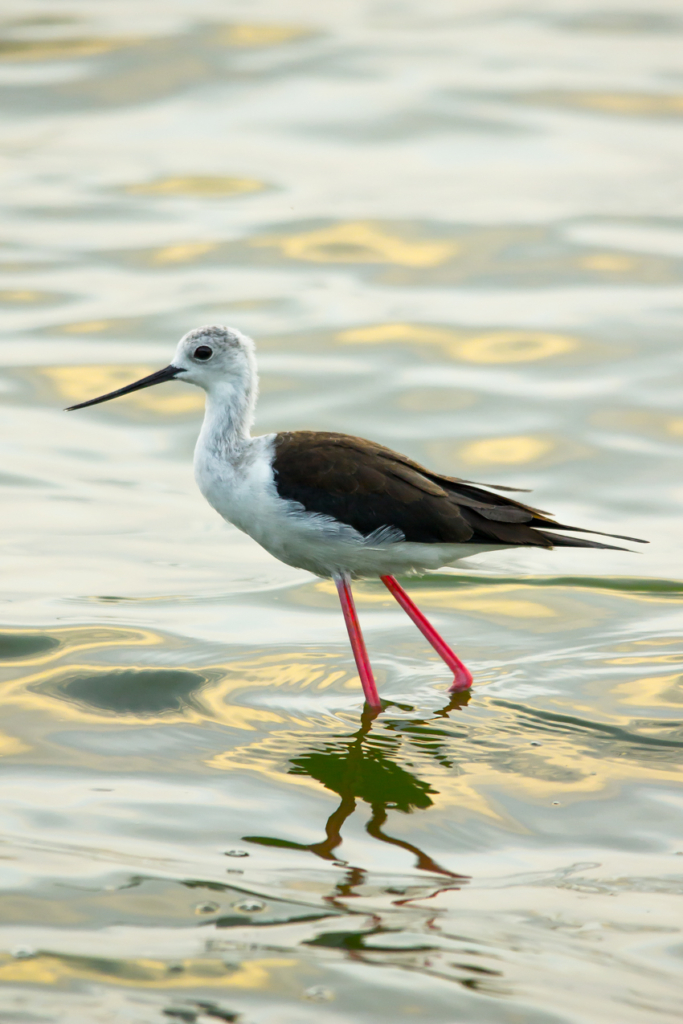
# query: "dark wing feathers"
411,475
369,487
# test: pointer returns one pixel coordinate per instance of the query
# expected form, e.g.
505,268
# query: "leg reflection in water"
362,766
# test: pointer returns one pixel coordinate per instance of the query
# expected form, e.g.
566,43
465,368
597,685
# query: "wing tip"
559,541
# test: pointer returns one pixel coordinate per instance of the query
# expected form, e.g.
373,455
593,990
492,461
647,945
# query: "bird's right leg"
462,675
343,582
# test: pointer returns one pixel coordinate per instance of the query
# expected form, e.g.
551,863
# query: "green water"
456,229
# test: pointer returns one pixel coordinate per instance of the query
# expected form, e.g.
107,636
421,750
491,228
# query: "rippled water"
454,228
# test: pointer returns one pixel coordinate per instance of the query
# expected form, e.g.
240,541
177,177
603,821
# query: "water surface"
456,231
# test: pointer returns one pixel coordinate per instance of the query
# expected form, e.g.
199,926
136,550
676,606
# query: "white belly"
243,491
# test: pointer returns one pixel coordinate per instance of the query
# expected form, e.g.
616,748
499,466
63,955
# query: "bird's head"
209,357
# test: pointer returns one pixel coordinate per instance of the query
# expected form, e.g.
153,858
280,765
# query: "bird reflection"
362,766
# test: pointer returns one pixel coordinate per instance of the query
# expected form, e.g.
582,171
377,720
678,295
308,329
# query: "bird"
340,506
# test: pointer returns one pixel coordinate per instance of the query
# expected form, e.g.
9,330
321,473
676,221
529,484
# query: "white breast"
239,483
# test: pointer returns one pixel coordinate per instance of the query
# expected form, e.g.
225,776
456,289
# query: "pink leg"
463,676
357,643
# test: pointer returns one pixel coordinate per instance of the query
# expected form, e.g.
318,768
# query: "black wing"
369,487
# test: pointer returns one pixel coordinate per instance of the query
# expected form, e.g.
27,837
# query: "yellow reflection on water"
62,49
259,34
196,185
574,762
566,766
34,691
506,451
11,745
629,104
266,973
78,383
87,327
24,296
488,347
82,639
566,770
210,695
115,325
643,421
608,262
659,691
468,772
296,672
519,608
639,104
391,333
237,716
184,252
560,610
359,242
515,346
660,659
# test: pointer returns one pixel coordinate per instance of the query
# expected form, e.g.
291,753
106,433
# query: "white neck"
229,413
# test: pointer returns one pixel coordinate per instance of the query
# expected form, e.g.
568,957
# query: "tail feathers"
579,529
579,542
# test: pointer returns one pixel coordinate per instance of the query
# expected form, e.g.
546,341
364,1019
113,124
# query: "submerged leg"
357,643
463,676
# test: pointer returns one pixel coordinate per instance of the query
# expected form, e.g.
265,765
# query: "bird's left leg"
463,676
343,582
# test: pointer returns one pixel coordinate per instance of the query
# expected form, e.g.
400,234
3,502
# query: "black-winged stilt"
339,506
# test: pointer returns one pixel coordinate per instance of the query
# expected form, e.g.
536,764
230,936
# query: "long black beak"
168,373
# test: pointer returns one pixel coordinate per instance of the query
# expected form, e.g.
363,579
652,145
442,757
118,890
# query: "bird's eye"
203,353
